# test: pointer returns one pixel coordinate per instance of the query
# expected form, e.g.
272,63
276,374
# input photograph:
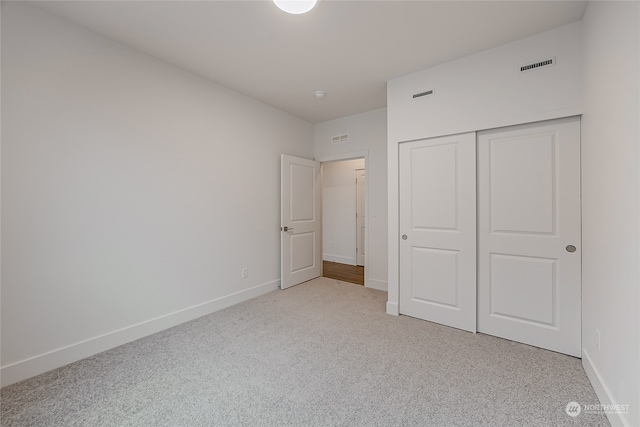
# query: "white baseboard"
338,258
602,391
392,308
380,285
39,364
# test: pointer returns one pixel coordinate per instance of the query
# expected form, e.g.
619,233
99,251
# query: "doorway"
344,219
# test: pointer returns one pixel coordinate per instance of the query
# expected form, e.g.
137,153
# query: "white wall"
133,193
368,136
481,91
338,210
611,214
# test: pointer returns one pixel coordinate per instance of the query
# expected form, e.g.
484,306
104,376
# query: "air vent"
339,139
421,94
540,64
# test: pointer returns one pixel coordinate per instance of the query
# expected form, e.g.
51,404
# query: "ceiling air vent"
540,64
421,94
339,139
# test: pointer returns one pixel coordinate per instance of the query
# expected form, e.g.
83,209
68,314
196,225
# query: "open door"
301,224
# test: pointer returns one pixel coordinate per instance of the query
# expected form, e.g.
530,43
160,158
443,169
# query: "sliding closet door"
438,230
529,234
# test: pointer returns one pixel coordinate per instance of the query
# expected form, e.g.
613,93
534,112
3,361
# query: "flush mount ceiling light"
319,94
296,7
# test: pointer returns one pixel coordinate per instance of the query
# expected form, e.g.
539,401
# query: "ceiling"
349,49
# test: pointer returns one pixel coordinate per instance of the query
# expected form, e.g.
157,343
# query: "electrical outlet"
331,245
245,273
598,339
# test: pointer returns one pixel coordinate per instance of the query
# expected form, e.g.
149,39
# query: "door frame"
351,156
359,243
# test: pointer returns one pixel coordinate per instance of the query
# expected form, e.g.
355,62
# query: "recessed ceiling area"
348,48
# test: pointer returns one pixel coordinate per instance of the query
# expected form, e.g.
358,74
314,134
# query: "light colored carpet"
323,353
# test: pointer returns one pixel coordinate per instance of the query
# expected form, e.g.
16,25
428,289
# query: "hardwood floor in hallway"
343,272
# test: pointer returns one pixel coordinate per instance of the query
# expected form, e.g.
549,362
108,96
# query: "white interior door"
360,216
529,234
438,230
301,223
